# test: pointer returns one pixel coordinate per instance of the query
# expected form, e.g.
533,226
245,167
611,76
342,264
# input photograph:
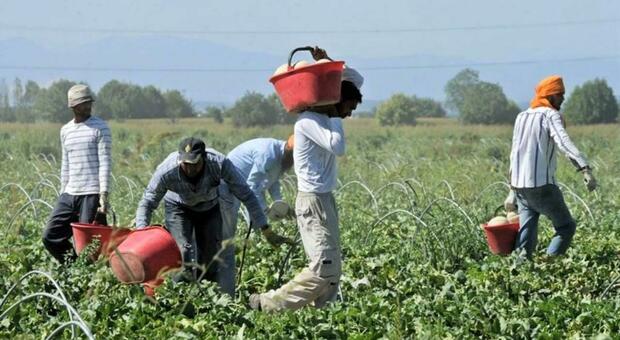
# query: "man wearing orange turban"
538,132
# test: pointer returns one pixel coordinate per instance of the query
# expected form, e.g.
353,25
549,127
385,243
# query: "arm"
274,191
104,146
64,168
561,139
330,138
153,194
238,187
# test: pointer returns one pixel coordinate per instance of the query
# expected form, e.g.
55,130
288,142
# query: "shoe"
255,301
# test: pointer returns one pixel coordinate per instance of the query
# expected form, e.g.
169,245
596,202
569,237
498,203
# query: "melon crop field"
416,264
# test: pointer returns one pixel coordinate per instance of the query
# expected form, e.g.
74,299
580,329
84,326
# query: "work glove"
274,239
588,179
104,204
510,203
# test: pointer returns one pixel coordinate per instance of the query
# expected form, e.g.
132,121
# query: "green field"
411,200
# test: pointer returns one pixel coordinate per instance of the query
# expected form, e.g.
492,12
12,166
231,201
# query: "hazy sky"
480,31
334,24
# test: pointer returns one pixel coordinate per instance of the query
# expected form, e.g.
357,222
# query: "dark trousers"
69,208
199,237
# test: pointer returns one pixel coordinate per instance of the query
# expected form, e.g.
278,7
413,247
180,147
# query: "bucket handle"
97,214
304,48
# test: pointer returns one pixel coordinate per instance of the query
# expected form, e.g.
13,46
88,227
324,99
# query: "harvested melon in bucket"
311,85
501,235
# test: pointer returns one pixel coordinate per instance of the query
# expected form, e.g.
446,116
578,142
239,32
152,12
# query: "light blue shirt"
259,161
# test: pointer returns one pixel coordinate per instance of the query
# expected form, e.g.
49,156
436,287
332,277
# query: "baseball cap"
190,150
79,94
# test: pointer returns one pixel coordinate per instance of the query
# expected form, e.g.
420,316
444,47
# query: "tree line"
115,100
474,101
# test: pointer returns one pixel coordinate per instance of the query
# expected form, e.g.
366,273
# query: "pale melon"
512,217
281,69
497,220
301,63
320,61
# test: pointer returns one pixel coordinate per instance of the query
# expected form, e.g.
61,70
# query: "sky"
478,32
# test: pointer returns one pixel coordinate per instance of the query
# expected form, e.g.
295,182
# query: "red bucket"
110,237
312,85
145,255
501,238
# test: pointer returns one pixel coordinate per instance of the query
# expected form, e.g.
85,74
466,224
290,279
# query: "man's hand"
510,203
319,53
589,180
104,204
274,239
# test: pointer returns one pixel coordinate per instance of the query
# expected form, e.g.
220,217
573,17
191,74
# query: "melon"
512,217
497,220
281,69
301,63
320,61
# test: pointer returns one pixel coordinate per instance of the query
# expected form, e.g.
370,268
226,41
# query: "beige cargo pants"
317,284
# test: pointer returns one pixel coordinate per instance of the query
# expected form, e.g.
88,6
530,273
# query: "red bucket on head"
145,255
501,238
312,85
110,237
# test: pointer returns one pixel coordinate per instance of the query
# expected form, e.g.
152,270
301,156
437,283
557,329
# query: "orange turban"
547,87
290,143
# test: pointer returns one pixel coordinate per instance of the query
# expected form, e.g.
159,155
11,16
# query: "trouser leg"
208,230
227,270
180,226
318,283
555,208
527,238
58,231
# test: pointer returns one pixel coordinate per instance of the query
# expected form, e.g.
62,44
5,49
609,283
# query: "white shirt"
318,140
86,157
538,132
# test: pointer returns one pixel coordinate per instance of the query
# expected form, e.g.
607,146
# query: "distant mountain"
189,65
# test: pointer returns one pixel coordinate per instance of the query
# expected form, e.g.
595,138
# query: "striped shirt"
86,157
538,132
168,183
318,140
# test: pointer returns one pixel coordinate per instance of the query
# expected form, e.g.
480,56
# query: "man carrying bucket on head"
538,131
319,139
188,182
261,162
85,174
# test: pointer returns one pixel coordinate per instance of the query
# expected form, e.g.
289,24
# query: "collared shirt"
86,157
167,180
260,162
538,132
318,140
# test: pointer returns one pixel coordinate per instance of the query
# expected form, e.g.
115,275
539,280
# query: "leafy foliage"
254,109
415,260
479,102
592,103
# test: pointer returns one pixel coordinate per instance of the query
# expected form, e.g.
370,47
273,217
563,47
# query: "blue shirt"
167,180
259,161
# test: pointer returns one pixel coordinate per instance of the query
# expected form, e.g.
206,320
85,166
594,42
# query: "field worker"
85,174
188,182
319,138
261,162
538,132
